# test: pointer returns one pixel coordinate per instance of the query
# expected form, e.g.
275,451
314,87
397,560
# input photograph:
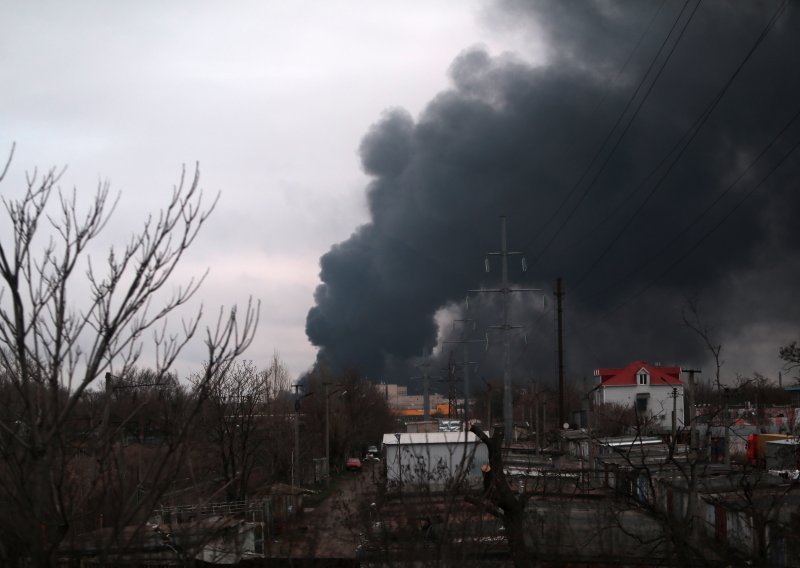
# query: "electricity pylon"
505,326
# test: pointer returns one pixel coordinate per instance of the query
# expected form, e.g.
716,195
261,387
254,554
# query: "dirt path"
332,529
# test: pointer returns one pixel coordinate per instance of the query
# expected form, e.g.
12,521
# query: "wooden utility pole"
296,474
690,402
562,414
674,415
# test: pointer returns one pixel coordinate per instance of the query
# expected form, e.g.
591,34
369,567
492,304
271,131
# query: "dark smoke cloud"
512,138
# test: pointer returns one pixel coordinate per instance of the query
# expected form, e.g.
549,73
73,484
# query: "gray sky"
271,98
364,151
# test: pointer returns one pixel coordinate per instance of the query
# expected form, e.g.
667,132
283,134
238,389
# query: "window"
641,402
643,377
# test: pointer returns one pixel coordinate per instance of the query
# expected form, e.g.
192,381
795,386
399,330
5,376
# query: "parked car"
372,450
352,464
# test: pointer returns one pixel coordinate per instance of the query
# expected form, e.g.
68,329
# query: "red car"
352,464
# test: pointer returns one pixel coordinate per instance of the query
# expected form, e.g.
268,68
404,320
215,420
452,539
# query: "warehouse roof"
418,438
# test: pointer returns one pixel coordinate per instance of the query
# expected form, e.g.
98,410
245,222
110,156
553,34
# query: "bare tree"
234,425
791,356
693,319
511,506
613,419
56,342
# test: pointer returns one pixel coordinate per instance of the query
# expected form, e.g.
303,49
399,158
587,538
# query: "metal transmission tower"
452,398
506,327
426,397
466,363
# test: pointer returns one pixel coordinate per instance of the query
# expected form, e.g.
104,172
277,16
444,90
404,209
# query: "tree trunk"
513,507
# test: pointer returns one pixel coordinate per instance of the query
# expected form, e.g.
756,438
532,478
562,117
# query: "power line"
707,234
619,118
692,133
617,123
697,218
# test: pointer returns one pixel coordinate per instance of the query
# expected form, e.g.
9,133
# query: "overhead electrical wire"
705,236
681,146
697,218
618,121
614,128
600,103
688,136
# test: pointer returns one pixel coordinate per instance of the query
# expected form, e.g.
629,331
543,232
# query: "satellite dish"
566,425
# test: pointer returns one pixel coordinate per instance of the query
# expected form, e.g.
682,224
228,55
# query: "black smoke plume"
649,161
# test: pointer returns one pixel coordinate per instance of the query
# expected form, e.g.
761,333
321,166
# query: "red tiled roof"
627,375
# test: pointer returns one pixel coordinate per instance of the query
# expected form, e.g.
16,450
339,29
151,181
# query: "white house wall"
659,403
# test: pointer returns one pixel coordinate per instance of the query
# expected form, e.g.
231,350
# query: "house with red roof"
651,389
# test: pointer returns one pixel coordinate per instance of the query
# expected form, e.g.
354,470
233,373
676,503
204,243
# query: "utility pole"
536,425
559,293
726,395
674,415
426,398
488,408
296,452
327,433
328,425
296,456
690,402
452,405
506,327
544,415
465,364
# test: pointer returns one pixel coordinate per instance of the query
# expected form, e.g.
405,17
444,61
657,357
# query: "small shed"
434,459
